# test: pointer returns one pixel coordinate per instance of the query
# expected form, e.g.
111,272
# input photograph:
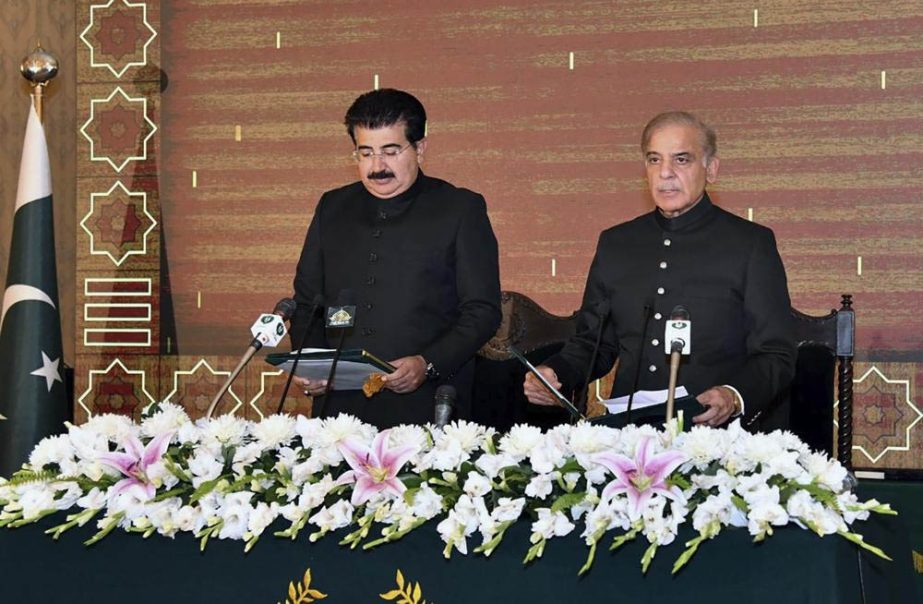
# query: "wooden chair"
497,398
826,346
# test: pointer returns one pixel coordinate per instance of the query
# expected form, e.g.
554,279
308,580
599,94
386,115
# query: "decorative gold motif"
340,318
406,593
918,562
302,593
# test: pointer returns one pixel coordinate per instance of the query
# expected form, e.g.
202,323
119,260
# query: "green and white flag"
33,399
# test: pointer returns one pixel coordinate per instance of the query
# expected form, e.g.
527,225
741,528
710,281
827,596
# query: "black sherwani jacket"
423,268
727,272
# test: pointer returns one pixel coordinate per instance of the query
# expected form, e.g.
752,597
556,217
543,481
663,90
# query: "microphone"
445,404
268,330
580,401
341,317
648,311
677,340
678,332
317,303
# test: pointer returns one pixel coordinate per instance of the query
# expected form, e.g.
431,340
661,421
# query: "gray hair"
707,136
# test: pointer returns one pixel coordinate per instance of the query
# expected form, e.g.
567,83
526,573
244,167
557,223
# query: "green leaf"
567,501
205,488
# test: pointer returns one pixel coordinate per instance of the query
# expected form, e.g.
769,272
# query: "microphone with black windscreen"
268,330
444,403
316,305
677,341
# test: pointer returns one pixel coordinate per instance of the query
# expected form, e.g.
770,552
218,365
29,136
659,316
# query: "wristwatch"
431,372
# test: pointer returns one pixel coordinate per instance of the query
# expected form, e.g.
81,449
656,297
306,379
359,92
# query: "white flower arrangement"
229,478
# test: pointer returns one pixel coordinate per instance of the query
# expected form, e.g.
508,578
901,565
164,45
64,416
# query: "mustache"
380,175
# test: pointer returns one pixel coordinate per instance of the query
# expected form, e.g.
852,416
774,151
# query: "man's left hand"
410,372
720,403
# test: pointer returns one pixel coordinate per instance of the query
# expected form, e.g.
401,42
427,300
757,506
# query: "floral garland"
230,478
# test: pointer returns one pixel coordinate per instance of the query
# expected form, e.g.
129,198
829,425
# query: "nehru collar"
696,215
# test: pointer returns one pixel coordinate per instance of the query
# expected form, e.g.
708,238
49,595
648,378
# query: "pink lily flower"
642,476
133,464
374,469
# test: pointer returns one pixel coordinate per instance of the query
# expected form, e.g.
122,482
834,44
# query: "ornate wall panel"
215,128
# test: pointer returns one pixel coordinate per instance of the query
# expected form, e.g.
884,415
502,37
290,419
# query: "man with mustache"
725,270
420,256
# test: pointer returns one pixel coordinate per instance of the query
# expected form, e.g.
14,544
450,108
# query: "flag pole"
33,393
39,67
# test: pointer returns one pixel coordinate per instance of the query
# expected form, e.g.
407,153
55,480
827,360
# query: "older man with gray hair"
725,270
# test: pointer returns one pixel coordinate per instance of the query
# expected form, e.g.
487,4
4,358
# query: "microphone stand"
333,368
318,301
634,386
674,369
584,398
254,346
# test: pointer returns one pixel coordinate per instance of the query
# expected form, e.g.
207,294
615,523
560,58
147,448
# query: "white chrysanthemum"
550,524
170,418
700,447
225,430
468,435
274,431
116,428
188,434
87,443
409,435
521,440
586,439
52,450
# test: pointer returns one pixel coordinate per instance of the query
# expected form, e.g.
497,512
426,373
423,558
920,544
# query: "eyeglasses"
388,152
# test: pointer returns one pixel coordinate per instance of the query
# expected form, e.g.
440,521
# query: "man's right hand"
310,387
536,392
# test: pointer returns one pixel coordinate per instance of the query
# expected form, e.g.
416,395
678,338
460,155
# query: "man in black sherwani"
725,270
420,257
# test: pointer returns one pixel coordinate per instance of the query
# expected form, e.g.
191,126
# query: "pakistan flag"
33,399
